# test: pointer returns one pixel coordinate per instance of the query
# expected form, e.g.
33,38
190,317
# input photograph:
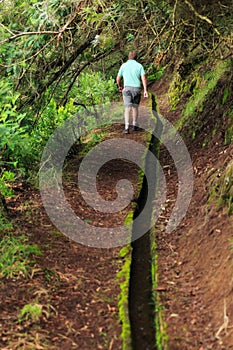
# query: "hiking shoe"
135,128
126,131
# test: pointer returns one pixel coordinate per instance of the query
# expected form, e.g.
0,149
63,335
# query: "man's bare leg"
127,116
135,117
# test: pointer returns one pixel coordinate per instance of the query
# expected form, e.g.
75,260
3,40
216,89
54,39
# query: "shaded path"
76,285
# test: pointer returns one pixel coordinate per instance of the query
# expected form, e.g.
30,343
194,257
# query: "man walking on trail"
134,76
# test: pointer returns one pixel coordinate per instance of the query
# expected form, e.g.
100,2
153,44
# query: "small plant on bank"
32,312
15,256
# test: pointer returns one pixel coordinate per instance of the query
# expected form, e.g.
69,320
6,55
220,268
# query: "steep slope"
195,260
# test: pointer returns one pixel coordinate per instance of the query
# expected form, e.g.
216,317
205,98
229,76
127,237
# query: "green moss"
179,87
160,325
225,95
176,89
228,137
221,188
123,278
204,86
225,188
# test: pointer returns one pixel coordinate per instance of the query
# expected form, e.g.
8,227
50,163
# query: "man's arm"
118,80
144,83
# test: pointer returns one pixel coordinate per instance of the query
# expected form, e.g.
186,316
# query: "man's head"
132,55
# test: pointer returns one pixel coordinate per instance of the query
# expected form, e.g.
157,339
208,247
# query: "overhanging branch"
203,18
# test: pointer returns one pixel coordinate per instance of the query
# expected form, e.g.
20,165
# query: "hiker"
134,76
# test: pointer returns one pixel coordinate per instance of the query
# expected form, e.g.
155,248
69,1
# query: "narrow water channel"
141,302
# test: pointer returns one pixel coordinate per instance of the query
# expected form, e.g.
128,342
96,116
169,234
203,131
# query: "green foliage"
13,135
154,73
22,139
15,254
90,92
48,44
93,89
5,178
51,117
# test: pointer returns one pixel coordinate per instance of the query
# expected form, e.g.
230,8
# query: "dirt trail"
75,284
195,261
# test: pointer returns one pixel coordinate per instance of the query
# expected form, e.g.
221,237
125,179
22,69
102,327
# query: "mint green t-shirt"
131,72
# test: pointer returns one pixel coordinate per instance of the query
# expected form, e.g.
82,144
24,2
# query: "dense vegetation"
60,56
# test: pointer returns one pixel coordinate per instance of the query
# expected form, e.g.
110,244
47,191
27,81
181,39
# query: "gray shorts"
131,96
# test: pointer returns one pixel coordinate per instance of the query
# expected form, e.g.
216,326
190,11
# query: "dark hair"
132,55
